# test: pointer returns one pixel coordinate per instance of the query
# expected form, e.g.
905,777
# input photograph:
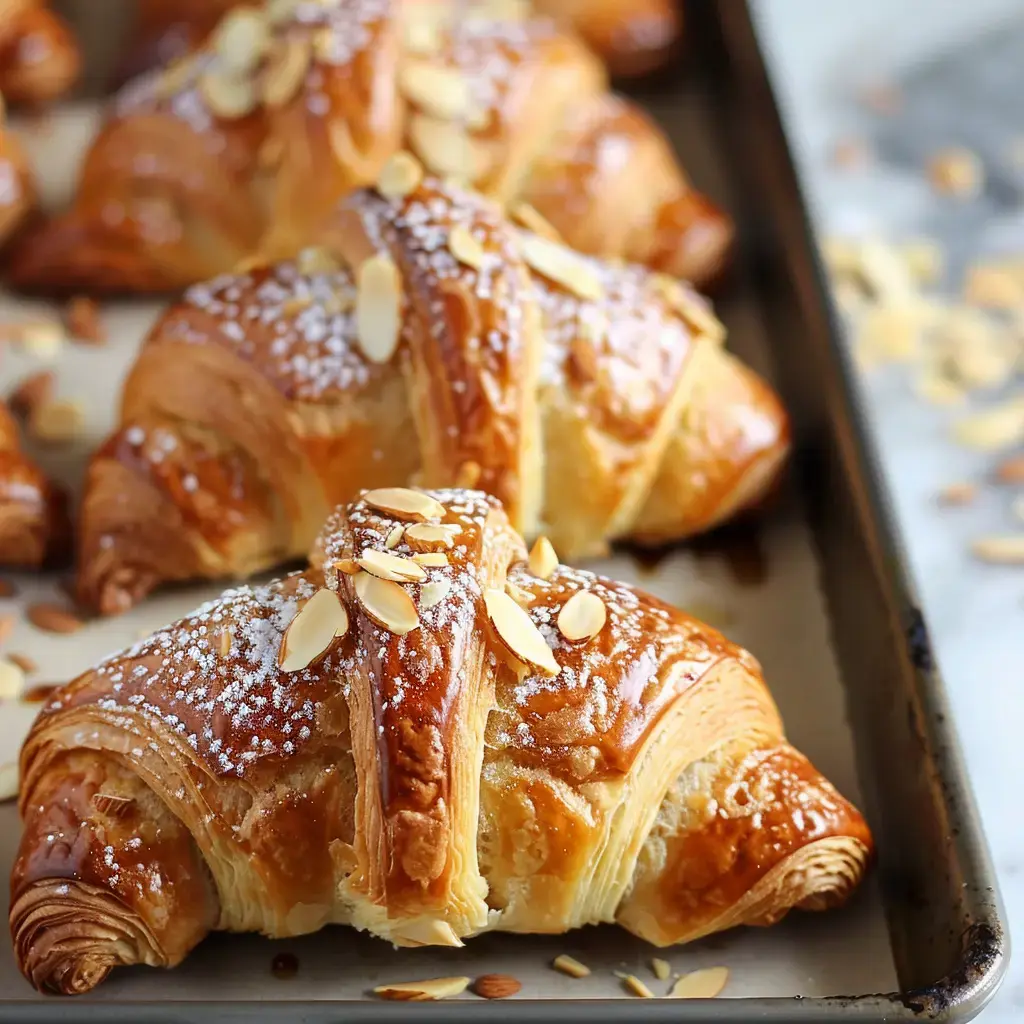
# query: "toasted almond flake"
280,11
993,286
523,598
322,618
962,493
227,96
391,567
52,618
111,805
422,33
315,259
241,39
468,475
84,321
420,991
386,603
294,306
404,503
446,149
226,637
496,986
516,630
924,259
934,387
1011,470
400,176
23,661
465,248
543,560
32,391
349,566
430,558
441,91
704,984
8,780
433,593
378,307
394,537
42,339
428,537
288,67
12,679
582,617
562,266
571,966
662,968
956,171
884,272
57,421
530,218
998,427
1007,549
634,985
694,311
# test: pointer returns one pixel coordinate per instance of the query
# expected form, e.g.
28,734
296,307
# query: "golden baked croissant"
247,145
39,58
592,398
425,738
18,195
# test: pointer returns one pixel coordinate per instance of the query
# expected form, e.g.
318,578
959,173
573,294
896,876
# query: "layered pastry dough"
246,146
427,338
404,738
39,58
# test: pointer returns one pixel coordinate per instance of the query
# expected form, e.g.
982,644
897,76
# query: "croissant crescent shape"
39,57
260,401
434,759
245,146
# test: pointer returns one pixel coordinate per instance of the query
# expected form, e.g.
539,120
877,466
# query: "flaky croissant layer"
425,735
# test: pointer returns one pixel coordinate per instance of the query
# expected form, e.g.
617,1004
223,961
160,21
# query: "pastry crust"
592,398
423,784
243,147
39,56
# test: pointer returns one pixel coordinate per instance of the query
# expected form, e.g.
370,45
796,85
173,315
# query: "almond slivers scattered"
445,148
465,248
998,427
378,307
386,603
400,176
543,560
322,618
634,985
390,567
582,617
516,630
562,266
430,558
1000,550
428,537
441,91
662,968
394,537
705,984
571,966
420,991
404,503
530,218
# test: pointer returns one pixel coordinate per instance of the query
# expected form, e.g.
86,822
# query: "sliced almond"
12,679
349,566
322,618
394,537
518,633
530,218
662,968
924,260
287,70
523,598
400,176
994,286
571,966
1000,550
634,985
33,390
430,558
420,991
961,493
241,39
582,617
42,339
24,662
56,422
1011,470
422,33
8,780
998,427
440,91
428,537
696,313
465,248
84,321
446,149
391,567
378,307
226,639
956,171
315,259
705,984
433,593
404,503
111,805
386,603
51,618
280,11
175,77
562,266
227,96
543,560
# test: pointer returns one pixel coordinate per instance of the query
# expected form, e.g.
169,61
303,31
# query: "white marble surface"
819,53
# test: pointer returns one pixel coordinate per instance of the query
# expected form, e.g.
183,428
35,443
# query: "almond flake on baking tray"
571,966
704,984
634,985
420,991
405,503
378,307
390,567
516,630
386,603
998,427
662,968
1007,549
322,618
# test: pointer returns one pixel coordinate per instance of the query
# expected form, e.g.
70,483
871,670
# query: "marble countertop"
975,611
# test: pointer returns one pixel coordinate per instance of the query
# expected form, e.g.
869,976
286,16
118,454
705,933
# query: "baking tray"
817,589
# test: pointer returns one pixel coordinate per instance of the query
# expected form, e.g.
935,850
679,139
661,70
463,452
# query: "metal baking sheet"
816,589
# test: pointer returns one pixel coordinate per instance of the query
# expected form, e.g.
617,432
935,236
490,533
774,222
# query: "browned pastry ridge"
248,144
429,338
420,737
39,58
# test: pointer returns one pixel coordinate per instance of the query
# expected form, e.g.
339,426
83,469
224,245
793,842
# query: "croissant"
39,57
593,398
18,196
424,738
246,146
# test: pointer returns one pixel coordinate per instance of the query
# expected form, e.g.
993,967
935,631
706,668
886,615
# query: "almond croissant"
592,398
247,145
39,57
423,738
